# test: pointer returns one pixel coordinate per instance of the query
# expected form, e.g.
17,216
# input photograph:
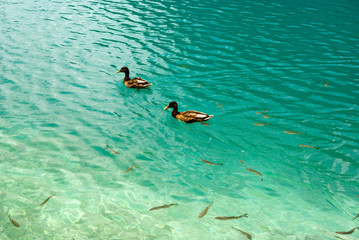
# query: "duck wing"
141,83
193,116
137,83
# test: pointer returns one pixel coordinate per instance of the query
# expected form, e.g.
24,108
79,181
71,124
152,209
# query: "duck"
136,82
187,116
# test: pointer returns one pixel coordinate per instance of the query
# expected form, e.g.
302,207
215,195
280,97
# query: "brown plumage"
187,116
136,82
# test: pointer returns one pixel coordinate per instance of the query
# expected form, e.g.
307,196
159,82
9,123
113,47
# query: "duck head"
172,104
123,69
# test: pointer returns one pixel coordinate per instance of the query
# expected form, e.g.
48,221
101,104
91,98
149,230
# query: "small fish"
186,66
356,217
220,105
244,233
242,162
200,85
267,116
205,124
292,132
118,115
260,124
16,224
130,168
256,172
124,136
204,212
113,152
163,206
230,218
307,146
349,232
211,163
47,199
326,84
262,111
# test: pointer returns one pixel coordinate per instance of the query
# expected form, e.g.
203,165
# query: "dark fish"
349,232
130,168
292,132
16,224
205,124
244,233
119,115
47,199
307,146
230,218
256,172
163,206
211,163
204,212
356,216
242,162
186,66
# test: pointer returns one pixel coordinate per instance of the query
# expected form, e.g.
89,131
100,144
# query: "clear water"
62,103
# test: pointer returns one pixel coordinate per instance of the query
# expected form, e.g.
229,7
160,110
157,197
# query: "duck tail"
209,117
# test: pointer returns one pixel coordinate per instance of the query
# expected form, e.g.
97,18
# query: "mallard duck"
134,82
188,116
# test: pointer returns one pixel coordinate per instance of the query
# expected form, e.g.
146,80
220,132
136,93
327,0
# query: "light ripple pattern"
63,107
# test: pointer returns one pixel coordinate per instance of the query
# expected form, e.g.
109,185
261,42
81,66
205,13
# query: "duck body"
136,82
187,116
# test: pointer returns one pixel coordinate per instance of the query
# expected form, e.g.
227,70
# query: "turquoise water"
62,103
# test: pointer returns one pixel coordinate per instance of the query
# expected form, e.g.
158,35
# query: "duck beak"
166,107
118,71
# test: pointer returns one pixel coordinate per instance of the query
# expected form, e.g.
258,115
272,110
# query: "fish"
356,217
349,232
260,124
205,124
200,85
124,136
326,84
242,162
47,199
118,115
267,116
292,132
204,212
211,163
186,66
16,224
130,168
113,152
163,206
244,233
262,111
256,172
307,146
230,218
220,105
